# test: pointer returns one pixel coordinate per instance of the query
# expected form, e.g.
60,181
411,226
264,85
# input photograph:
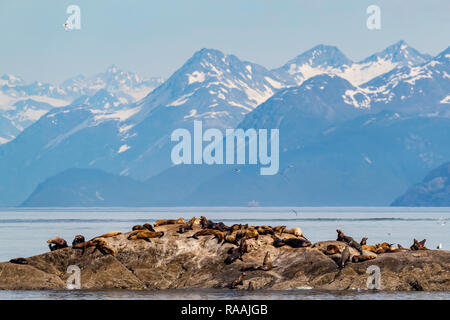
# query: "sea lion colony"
238,235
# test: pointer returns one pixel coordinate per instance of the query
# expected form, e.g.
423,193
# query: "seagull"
66,26
237,170
294,211
439,246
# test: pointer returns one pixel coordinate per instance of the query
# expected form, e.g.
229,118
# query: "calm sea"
24,232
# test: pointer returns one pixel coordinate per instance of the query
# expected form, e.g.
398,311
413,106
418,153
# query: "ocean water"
24,232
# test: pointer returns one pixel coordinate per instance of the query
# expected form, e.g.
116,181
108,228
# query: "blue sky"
154,38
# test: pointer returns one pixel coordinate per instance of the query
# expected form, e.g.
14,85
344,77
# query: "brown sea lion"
251,233
109,234
419,245
205,223
294,231
185,227
362,257
99,244
291,242
370,248
237,253
56,243
348,240
266,266
238,281
209,232
163,222
279,229
344,257
19,261
78,239
231,238
363,241
265,230
331,249
145,235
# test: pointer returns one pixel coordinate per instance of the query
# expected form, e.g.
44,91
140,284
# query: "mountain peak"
112,69
444,56
10,79
322,56
400,53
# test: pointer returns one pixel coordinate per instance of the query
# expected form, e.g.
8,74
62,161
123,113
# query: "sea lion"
344,257
419,245
109,234
237,253
363,241
264,230
99,244
362,257
56,243
163,222
19,261
266,266
188,225
251,233
331,249
231,238
279,229
208,232
205,223
291,242
348,240
145,235
78,239
238,281
294,231
145,226
384,247
149,227
185,227
370,248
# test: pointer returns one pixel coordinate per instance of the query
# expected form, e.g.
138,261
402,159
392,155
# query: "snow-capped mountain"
214,87
21,104
128,86
328,59
104,131
422,89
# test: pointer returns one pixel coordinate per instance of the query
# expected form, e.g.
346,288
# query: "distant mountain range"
351,133
433,191
22,103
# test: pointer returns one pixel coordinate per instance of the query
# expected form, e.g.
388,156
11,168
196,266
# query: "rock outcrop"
176,261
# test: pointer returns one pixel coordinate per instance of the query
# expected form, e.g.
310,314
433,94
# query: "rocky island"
203,254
